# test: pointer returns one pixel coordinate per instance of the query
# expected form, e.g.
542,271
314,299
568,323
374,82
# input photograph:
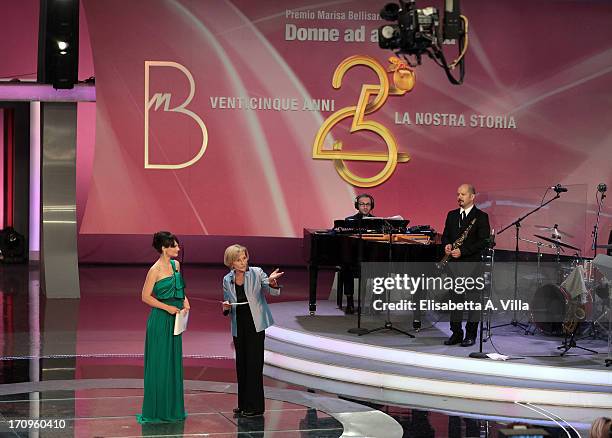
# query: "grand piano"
342,246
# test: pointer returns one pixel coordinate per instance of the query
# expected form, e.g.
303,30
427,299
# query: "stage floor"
90,411
81,360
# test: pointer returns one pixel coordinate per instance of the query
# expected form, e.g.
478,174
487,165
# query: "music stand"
390,226
351,226
517,225
604,264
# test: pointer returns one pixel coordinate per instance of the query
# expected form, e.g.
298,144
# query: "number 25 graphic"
380,92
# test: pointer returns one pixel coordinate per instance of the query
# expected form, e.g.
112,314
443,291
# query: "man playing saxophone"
469,254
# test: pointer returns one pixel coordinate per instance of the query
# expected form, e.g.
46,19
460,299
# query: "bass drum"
549,307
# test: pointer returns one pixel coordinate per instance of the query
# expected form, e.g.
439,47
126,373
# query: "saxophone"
456,244
576,312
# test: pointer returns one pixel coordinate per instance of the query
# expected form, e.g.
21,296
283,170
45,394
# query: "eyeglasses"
364,204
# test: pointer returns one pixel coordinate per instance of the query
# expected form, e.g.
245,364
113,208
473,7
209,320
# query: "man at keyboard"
364,204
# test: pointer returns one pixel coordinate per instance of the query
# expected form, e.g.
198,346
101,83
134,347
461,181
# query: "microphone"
558,188
601,188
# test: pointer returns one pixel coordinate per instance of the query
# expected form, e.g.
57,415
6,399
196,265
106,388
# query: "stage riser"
385,381
580,418
453,364
318,348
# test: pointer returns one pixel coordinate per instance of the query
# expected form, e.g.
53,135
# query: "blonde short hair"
232,253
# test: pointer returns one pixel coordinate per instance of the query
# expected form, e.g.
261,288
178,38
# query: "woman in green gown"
163,358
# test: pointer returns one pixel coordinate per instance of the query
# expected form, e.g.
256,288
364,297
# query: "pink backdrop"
549,68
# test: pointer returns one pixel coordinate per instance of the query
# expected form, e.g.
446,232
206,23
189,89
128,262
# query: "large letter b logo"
164,98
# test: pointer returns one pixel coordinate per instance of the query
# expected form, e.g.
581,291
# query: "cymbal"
545,228
556,242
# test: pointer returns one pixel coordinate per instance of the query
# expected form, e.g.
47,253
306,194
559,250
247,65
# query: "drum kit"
578,302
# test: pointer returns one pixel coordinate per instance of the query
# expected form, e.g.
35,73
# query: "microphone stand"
517,225
592,330
596,226
489,261
388,324
359,330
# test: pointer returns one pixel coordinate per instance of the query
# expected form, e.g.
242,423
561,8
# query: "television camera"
417,32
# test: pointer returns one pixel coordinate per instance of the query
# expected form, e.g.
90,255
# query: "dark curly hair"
164,239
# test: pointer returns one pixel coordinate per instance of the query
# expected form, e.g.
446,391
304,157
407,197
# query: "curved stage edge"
390,368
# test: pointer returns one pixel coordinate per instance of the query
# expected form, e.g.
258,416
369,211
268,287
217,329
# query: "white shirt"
467,211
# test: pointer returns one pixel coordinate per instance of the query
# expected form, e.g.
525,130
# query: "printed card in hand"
180,321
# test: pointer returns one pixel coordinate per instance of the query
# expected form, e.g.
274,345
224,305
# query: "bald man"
469,253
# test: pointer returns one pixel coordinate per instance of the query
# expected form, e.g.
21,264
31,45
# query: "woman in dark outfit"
244,290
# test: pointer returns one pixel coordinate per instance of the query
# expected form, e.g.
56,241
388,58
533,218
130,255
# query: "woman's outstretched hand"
273,277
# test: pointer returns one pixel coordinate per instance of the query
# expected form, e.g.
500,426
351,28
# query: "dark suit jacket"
476,240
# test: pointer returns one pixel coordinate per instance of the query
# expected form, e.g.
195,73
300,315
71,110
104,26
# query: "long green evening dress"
163,358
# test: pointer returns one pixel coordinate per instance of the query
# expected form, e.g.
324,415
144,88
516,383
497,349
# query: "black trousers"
456,316
249,346
346,278
465,269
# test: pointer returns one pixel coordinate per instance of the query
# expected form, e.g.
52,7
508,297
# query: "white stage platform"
391,368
